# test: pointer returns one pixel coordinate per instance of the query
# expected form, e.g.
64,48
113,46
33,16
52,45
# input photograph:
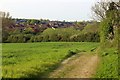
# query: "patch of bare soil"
78,66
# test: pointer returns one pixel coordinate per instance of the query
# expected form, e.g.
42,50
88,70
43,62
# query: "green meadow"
20,60
36,48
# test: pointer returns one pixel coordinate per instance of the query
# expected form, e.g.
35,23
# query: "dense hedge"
54,35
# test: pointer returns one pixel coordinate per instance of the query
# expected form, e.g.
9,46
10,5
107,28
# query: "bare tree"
6,21
99,9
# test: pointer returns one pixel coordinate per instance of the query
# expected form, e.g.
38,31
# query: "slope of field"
37,59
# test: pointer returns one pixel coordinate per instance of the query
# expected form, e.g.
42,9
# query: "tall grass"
108,67
37,59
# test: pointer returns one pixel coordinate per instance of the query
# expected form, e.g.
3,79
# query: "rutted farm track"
79,66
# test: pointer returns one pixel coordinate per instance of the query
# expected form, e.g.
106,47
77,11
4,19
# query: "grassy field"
37,59
108,67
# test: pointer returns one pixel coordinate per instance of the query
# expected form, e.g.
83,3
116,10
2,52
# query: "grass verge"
108,67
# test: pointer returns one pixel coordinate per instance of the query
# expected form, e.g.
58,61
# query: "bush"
39,38
74,38
85,37
115,52
91,28
45,38
31,39
14,39
105,54
53,37
27,37
93,49
21,38
70,53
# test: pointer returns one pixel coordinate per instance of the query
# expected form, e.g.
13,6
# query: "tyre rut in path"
80,66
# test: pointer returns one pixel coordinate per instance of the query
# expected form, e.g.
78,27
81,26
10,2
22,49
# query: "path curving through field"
79,66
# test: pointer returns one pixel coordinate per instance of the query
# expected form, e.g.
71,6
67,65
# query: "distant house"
53,28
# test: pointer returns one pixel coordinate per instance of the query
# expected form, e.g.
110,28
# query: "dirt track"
80,66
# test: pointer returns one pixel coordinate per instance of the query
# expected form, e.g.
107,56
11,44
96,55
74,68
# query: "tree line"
32,30
59,34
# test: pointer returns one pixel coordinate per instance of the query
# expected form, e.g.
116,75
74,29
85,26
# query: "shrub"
105,54
70,53
14,39
27,37
39,38
45,38
115,52
31,39
93,49
74,38
90,28
21,38
9,38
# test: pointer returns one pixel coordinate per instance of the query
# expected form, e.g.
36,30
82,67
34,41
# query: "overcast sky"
69,10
